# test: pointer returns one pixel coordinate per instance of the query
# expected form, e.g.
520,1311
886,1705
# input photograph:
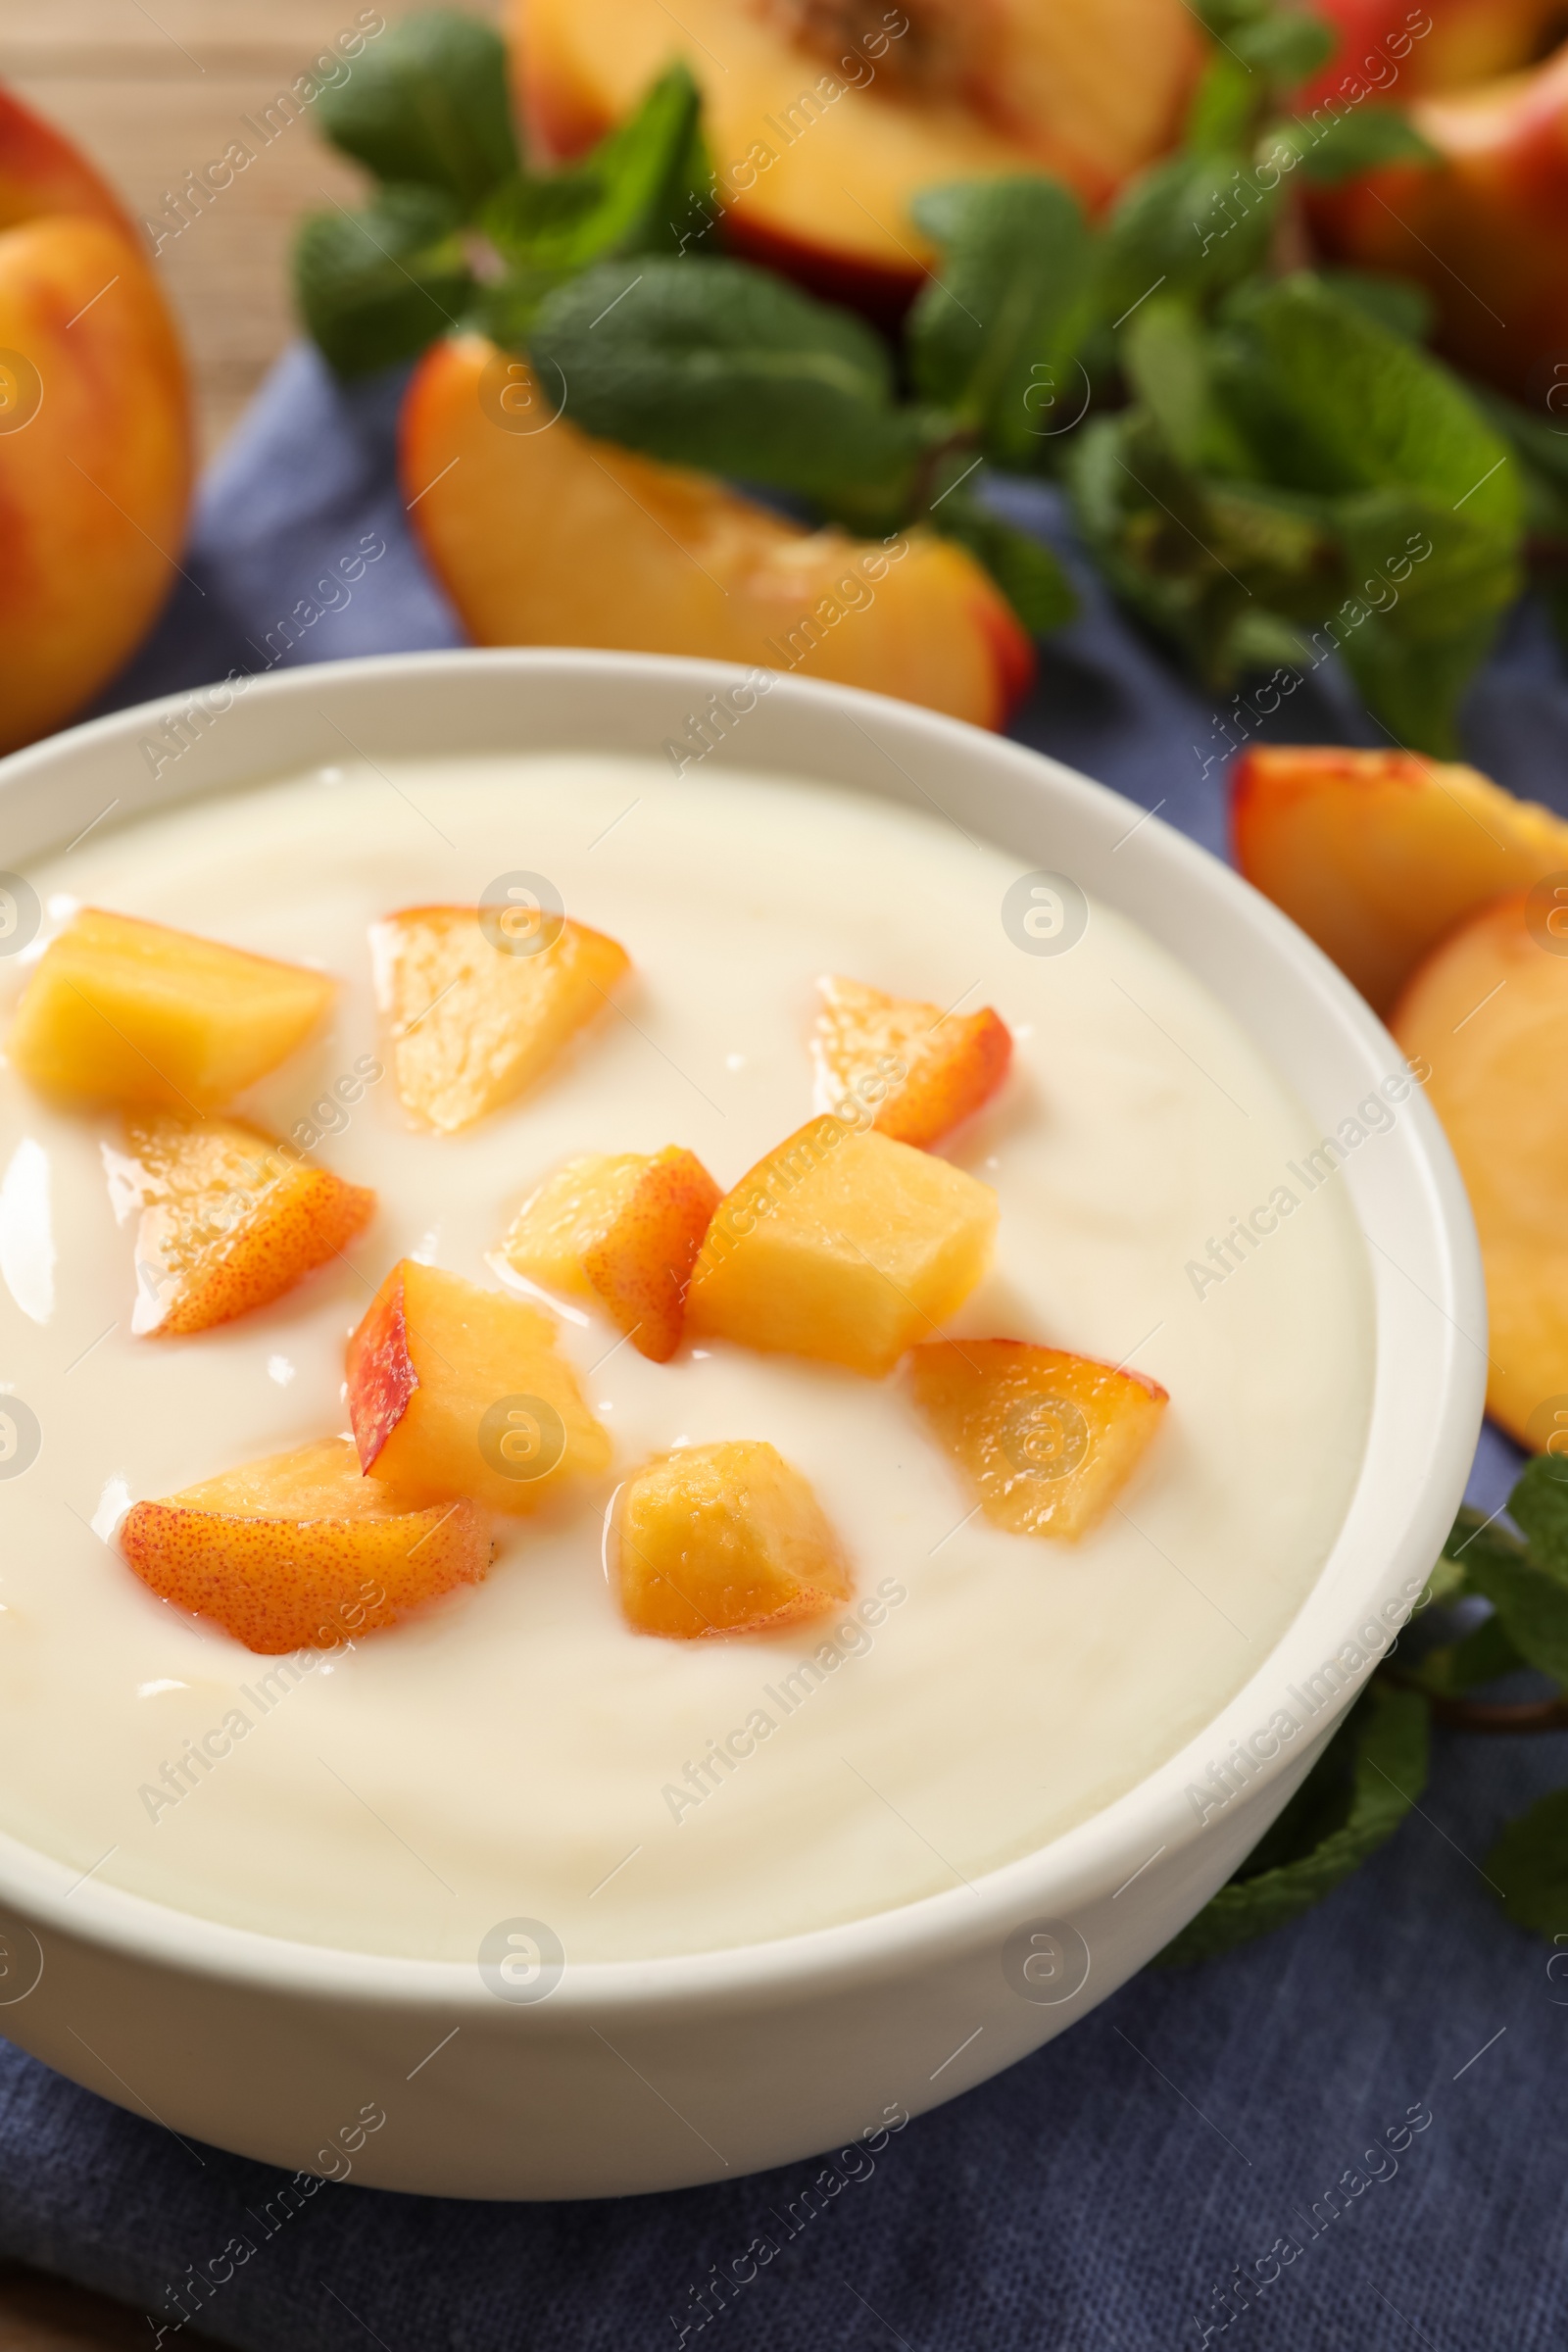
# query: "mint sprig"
1265,463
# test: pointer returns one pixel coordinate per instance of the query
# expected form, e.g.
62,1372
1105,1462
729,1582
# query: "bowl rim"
1079,1867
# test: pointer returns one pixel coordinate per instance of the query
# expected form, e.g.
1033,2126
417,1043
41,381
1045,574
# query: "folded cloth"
1359,2116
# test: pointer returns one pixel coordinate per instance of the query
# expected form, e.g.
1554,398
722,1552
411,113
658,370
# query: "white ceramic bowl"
652,2074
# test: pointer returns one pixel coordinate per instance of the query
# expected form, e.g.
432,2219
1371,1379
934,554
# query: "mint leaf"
1026,571
1007,310
1539,1504
1363,139
722,365
1390,450
624,198
1287,46
1527,1587
1395,303
1530,1864
428,107
1351,1801
380,286
1196,224
1230,572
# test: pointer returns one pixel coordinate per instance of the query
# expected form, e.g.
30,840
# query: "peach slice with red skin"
1378,854
300,1551
123,1011
455,1391
624,1228
1046,1439
728,1539
229,1218
826,118
697,568
926,1070
478,1002
1489,1011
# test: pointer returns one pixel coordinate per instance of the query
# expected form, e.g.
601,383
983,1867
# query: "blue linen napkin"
1200,2125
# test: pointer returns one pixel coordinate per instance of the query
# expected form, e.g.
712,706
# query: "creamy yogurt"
516,1750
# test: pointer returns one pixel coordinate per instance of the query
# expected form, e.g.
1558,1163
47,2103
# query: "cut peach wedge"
825,118
843,1244
1048,1440
479,1001
1377,853
458,1390
694,568
229,1218
1489,1011
726,1539
921,1070
121,1010
300,1551
624,1228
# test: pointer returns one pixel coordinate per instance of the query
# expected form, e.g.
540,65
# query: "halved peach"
724,1539
121,1010
229,1218
697,568
826,118
1489,1011
458,1390
622,1227
1377,853
921,1069
300,1551
1048,1439
476,1011
843,1244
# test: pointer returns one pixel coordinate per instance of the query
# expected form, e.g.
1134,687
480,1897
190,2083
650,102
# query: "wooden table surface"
152,93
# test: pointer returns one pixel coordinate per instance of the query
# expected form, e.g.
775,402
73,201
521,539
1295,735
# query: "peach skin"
300,1551
95,436
824,119
1488,1012
453,1390
1048,1440
923,1072
1377,853
696,567
625,1229
230,1220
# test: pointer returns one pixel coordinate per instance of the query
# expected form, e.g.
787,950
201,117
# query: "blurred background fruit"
826,117
95,457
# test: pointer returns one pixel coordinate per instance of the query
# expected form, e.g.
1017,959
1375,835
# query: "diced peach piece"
229,1218
458,1390
725,1539
300,1551
1489,1011
1048,1440
120,1010
843,1244
925,1070
1378,854
569,1212
624,1228
476,1012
